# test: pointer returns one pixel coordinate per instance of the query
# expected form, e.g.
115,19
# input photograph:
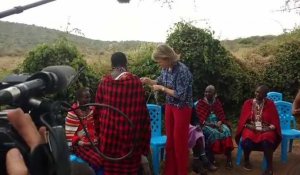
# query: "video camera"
27,92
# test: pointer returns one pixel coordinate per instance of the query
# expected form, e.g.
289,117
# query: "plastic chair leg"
291,145
155,160
162,154
264,164
284,149
239,154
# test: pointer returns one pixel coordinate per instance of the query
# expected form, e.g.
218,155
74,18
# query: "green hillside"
17,39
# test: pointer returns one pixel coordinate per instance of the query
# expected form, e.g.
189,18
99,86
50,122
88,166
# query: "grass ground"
9,63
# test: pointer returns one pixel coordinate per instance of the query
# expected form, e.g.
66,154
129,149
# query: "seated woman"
197,144
217,133
259,128
75,133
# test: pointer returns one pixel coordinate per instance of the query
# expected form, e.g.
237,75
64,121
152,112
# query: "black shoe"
209,166
229,164
247,166
212,167
197,167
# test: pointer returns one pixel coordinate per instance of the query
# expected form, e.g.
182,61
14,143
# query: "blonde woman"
175,81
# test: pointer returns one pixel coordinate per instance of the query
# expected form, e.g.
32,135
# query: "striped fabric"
75,133
116,137
73,126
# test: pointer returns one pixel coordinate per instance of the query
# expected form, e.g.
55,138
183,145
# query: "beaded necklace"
210,103
256,113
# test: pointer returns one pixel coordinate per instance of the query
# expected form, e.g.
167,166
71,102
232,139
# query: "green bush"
142,65
61,52
282,74
210,63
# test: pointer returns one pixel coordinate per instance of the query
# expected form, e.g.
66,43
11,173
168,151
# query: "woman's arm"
161,88
296,105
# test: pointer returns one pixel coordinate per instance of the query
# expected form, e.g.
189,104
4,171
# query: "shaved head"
211,88
210,92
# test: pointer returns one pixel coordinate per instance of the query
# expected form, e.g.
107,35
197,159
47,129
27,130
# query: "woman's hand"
158,88
81,133
81,143
147,81
219,123
296,112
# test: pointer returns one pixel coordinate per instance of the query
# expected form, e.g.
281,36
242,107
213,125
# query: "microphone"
51,79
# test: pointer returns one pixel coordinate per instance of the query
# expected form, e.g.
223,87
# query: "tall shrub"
210,63
282,74
62,52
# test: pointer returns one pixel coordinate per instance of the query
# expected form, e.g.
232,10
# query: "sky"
150,20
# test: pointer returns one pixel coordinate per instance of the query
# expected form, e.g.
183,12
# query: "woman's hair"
165,52
80,91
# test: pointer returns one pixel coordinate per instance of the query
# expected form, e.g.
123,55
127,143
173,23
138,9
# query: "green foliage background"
61,52
211,63
234,67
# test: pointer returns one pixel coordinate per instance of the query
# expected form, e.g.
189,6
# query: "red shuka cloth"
73,126
269,115
204,109
116,137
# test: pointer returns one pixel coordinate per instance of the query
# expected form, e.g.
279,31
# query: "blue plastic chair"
288,128
274,96
74,158
239,156
158,141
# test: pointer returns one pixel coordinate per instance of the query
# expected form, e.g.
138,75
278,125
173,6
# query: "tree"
291,5
211,63
283,72
61,52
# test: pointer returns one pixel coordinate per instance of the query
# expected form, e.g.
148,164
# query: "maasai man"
123,90
212,118
259,128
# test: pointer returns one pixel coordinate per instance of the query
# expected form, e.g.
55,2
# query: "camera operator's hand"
15,163
27,130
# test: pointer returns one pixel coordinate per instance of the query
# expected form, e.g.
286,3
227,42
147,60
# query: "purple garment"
194,135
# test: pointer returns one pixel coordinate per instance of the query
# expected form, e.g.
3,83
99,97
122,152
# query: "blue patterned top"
180,79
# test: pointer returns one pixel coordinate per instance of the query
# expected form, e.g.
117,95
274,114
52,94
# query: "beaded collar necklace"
256,112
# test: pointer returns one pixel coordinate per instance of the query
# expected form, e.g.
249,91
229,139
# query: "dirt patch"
292,167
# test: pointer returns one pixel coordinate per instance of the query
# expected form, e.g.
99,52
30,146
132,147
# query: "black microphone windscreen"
65,75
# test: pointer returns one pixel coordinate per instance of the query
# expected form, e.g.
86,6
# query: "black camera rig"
28,92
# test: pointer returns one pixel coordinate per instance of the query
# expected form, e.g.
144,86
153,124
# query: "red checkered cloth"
204,109
116,137
88,154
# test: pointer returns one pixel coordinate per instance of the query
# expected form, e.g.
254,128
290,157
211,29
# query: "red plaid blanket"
116,137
